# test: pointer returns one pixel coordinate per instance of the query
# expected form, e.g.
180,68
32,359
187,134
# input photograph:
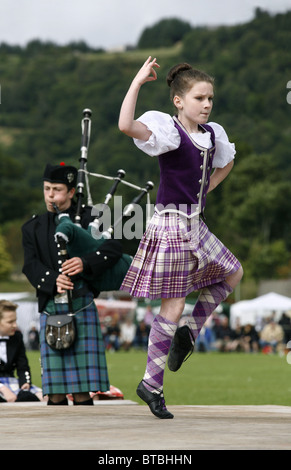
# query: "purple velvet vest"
185,173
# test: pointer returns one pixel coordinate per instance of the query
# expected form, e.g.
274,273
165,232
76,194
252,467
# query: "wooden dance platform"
124,425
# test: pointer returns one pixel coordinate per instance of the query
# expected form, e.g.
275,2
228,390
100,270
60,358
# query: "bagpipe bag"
80,242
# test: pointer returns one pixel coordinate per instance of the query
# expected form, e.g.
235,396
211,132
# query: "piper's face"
59,194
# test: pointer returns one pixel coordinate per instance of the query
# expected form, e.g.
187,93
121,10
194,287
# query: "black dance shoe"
181,347
155,401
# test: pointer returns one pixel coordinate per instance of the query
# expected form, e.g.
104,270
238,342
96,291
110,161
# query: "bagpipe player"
81,368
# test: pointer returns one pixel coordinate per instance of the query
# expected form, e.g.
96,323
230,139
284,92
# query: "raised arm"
127,124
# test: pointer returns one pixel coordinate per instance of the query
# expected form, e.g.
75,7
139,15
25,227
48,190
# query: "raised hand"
147,72
126,122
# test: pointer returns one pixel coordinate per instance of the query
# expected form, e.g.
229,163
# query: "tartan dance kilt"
82,367
177,255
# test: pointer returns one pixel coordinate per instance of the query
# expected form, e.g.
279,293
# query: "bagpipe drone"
80,241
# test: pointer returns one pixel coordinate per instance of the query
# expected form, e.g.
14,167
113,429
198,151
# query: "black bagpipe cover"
80,242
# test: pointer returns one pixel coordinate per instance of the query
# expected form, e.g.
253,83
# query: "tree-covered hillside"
45,87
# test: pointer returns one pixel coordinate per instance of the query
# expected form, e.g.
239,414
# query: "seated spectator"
226,339
142,335
249,340
285,322
13,359
127,334
272,337
205,341
112,341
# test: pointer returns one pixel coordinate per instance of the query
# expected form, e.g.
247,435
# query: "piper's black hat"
61,174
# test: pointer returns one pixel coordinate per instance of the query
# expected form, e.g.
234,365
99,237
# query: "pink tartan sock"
209,298
160,338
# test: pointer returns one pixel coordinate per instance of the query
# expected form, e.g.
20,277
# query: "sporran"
60,331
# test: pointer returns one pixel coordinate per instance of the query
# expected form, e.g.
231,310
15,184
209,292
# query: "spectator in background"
285,322
127,334
272,337
226,339
33,338
149,316
112,338
249,340
142,335
104,324
206,338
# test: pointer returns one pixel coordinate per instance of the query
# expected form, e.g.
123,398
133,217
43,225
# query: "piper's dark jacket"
16,360
41,259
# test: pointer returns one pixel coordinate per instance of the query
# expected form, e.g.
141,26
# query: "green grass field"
205,379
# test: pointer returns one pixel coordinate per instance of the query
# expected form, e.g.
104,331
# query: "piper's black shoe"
62,402
155,401
181,347
86,402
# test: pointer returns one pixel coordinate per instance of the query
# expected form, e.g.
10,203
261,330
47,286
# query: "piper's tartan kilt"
82,367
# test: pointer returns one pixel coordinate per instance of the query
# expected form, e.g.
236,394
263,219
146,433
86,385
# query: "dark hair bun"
174,71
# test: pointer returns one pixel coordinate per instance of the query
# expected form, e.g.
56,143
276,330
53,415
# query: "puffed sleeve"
225,150
164,137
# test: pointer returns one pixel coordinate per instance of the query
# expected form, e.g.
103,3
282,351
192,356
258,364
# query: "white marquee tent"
251,311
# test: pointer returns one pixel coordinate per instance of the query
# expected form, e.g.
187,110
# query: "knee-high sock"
209,298
160,338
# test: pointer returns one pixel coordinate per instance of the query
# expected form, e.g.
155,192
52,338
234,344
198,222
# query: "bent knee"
240,273
235,278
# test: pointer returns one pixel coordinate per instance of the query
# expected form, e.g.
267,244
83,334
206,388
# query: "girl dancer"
178,254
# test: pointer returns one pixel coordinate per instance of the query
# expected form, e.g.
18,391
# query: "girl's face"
195,106
59,194
8,323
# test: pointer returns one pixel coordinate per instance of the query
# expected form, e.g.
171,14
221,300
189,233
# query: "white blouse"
165,137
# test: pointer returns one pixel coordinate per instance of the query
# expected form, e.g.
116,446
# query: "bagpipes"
80,241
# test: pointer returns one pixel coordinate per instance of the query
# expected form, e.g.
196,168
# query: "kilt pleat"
82,367
176,256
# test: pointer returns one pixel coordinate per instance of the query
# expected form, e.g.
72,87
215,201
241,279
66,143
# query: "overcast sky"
112,23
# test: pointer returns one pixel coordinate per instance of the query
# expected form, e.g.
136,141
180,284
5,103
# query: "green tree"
165,33
5,260
266,259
